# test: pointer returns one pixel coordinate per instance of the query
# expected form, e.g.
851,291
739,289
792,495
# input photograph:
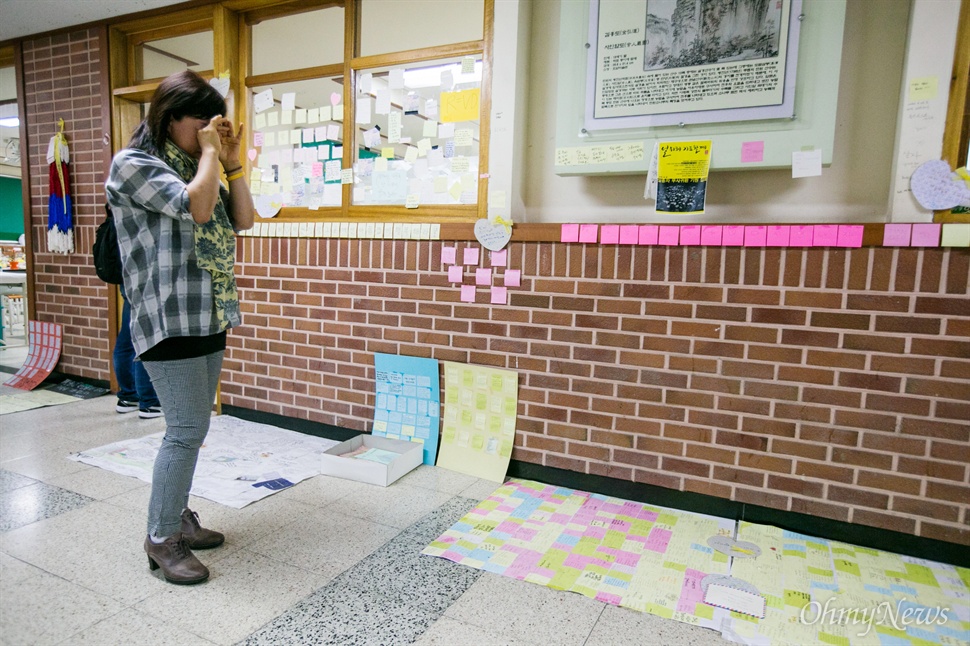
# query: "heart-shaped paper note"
334,99
936,187
221,85
731,547
267,206
491,235
251,153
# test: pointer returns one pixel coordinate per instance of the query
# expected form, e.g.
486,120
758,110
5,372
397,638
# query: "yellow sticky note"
440,184
455,191
955,234
923,89
460,106
387,152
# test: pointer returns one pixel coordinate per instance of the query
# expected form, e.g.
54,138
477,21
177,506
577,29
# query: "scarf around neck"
215,242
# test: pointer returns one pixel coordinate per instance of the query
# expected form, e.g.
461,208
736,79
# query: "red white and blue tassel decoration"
60,224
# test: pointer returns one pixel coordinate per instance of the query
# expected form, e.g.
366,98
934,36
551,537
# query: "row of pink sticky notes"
483,276
498,295
471,256
781,235
925,234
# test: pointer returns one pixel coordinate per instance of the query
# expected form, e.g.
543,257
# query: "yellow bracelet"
238,174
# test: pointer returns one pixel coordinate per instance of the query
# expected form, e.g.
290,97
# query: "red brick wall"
62,78
829,382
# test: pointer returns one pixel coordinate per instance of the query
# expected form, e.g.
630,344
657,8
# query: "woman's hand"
229,154
209,137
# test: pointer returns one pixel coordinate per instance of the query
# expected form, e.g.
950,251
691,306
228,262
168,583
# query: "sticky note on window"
610,234
648,234
711,235
669,235
483,276
896,235
926,235
569,233
588,233
690,235
460,106
513,278
454,274
468,293
500,296
470,256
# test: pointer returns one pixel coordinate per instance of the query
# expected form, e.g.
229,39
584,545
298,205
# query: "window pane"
394,26
160,58
301,40
299,142
418,133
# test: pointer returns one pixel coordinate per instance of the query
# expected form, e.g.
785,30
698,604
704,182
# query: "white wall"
855,188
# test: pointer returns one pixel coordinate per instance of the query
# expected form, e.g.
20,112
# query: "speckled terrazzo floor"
328,561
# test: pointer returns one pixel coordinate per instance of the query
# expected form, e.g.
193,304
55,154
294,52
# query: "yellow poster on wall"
463,105
682,169
478,429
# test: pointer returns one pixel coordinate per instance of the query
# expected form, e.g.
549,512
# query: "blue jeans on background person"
134,384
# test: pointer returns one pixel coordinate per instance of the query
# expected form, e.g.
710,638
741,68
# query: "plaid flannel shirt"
170,295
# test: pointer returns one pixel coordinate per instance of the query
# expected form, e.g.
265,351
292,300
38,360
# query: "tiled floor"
328,561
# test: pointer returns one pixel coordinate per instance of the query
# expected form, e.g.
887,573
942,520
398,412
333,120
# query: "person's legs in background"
123,359
135,390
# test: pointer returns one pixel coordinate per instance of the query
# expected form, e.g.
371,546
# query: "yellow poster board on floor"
478,430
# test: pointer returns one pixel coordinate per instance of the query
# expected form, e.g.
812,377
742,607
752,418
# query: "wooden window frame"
231,24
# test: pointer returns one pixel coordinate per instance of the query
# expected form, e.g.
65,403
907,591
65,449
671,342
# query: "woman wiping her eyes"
176,227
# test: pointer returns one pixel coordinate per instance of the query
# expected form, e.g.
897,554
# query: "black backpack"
107,257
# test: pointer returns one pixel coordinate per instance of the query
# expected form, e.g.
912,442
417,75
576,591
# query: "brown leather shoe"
198,537
178,563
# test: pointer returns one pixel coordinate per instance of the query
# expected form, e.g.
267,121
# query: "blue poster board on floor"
408,403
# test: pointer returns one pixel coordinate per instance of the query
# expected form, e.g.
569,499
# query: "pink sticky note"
500,296
896,235
454,274
588,233
755,235
470,256
778,235
610,234
649,234
569,233
850,235
468,293
752,151
690,234
513,278
335,99
711,235
669,235
926,235
483,276
801,235
629,234
316,170
500,258
448,255
733,235
825,235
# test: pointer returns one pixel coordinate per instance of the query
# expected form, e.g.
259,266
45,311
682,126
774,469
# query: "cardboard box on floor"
334,464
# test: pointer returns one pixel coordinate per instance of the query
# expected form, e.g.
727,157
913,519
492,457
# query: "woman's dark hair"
183,94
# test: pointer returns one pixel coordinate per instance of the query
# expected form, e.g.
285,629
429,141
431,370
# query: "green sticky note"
797,553
819,571
660,611
704,611
847,566
921,574
955,234
667,519
719,557
680,567
797,598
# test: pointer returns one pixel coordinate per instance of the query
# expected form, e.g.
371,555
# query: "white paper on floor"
241,461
